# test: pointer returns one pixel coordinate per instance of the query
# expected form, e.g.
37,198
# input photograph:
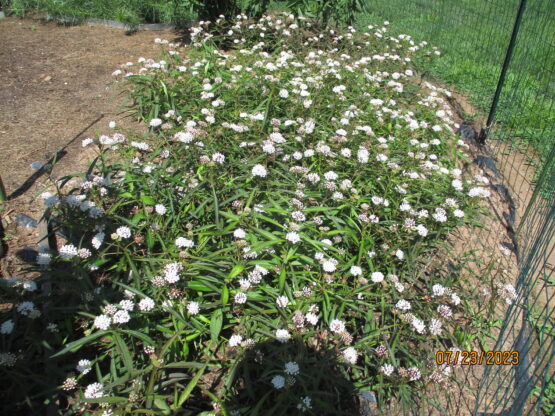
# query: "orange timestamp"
477,357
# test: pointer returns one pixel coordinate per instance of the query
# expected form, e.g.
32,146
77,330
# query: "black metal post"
484,133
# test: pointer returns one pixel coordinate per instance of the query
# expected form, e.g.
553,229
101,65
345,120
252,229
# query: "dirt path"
53,84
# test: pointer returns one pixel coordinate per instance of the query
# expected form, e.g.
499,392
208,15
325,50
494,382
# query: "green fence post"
484,133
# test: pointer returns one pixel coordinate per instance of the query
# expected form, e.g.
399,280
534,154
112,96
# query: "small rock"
25,221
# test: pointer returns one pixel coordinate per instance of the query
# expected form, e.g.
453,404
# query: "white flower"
337,326
184,242
400,254
160,209
350,354
123,232
112,124
278,382
44,259
7,327
30,285
102,322
387,369
259,170
121,317
97,240
94,391
68,251
146,304
239,233
127,305
311,318
155,122
283,93
329,266
458,213
377,277
282,301
435,326
26,308
356,271
292,368
83,366
403,305
240,298
193,308
218,158
293,237
438,290
235,340
283,335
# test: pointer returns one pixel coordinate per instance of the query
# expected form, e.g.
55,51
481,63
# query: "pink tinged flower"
337,326
414,373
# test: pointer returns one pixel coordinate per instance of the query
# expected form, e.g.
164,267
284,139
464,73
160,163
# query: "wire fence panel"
474,37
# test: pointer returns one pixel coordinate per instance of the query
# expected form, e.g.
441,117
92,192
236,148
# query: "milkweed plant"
269,227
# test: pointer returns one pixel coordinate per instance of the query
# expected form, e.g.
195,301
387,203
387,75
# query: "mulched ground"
55,82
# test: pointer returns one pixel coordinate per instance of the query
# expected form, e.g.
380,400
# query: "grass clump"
261,249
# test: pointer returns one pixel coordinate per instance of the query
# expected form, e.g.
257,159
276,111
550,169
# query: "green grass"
131,12
473,36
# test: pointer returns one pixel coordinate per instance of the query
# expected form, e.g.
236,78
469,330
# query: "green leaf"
187,392
124,352
75,345
148,200
236,270
216,325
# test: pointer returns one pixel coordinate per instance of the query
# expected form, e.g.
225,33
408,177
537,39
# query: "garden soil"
54,84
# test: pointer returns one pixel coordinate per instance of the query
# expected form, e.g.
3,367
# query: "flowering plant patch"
261,248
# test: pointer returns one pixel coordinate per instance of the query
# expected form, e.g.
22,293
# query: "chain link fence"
500,55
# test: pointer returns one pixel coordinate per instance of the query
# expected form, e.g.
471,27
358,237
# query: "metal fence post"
485,131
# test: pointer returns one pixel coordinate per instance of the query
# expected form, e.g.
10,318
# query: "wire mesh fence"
500,55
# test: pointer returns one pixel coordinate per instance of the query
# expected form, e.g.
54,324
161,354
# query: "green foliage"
273,227
325,12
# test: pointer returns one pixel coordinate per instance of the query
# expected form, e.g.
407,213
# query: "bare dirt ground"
53,85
